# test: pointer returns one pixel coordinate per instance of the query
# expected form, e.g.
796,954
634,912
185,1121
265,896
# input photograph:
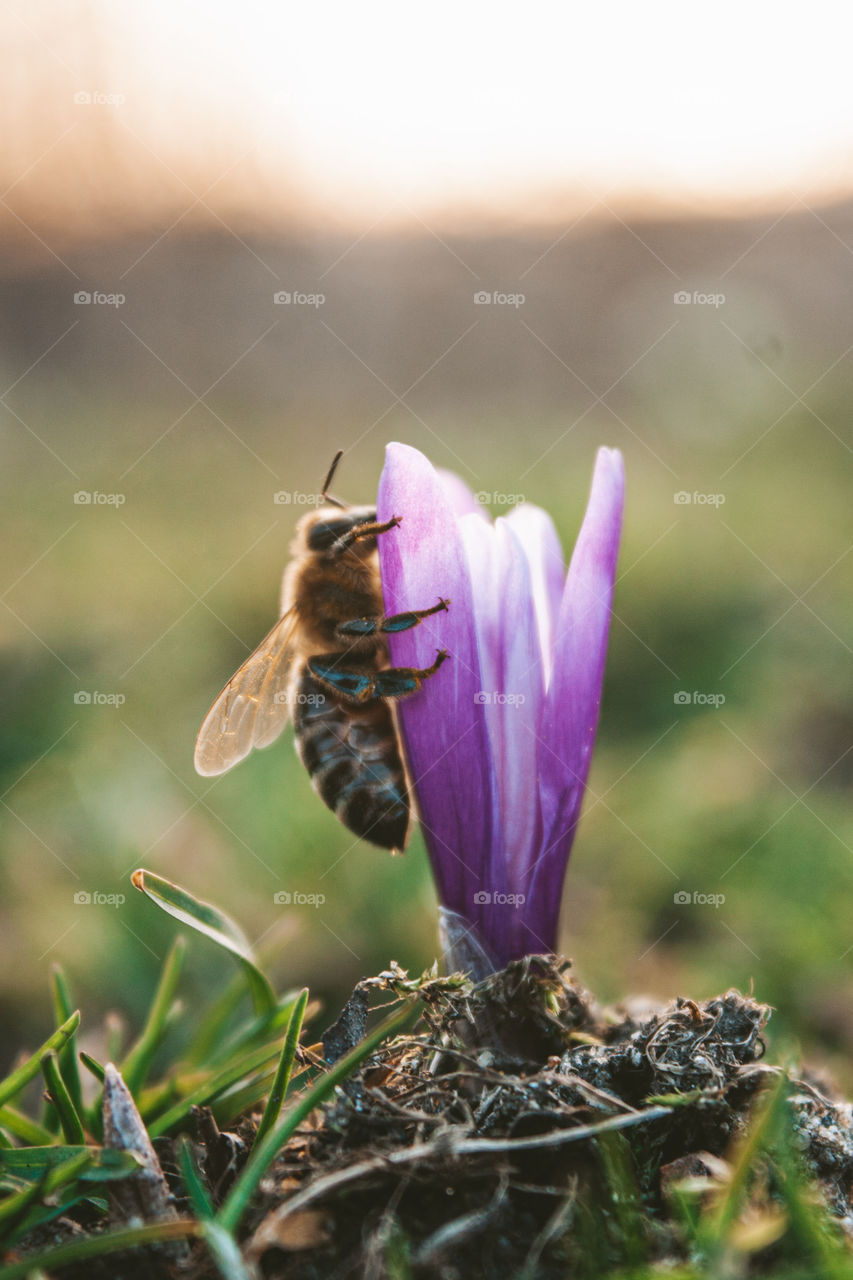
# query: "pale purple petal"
535,530
510,700
463,501
570,716
521,683
442,726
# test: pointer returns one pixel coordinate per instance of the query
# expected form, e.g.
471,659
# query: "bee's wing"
253,708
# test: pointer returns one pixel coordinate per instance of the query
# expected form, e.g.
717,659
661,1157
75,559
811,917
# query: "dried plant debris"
525,1132
144,1197
476,1149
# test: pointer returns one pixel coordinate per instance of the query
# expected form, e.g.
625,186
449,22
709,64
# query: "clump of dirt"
485,1144
474,1146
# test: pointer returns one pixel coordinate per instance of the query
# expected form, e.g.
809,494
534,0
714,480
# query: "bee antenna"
324,492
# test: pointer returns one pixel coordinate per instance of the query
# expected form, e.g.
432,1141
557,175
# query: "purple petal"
535,530
460,496
513,687
570,717
442,726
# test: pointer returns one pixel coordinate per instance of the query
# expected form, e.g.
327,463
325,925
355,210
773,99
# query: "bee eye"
325,533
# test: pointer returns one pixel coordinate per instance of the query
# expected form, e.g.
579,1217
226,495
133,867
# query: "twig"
445,1146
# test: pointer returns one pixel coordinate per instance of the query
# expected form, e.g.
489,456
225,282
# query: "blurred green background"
197,398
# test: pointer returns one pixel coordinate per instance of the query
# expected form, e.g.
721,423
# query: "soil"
486,1144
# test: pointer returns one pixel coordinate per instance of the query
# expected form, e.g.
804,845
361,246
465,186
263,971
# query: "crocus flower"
499,741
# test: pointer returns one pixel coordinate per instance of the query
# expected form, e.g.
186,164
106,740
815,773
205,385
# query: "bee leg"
359,531
350,684
396,622
396,682
359,687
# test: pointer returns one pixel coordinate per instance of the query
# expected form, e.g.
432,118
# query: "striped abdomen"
352,755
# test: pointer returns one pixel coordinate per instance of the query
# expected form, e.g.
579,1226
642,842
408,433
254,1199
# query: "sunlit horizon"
320,112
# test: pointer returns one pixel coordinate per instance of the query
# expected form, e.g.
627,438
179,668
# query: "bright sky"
480,103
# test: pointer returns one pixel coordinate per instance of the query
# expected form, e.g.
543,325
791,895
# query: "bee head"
320,530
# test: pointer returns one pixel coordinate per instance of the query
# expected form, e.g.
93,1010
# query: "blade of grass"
716,1226
22,1127
259,1030
285,1066
222,1246
615,1154
214,924
50,1179
28,1070
209,1034
97,1246
214,1085
234,1102
13,1207
137,1063
91,1064
225,1251
259,1161
63,1007
818,1235
196,1190
100,1165
39,1215
69,1120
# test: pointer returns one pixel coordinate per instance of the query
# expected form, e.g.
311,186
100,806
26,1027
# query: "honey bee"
325,665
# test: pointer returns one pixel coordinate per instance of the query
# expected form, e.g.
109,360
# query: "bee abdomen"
352,756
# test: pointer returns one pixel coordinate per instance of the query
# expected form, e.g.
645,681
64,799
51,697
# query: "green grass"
762,1219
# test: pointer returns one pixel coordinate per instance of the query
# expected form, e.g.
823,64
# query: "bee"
325,665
